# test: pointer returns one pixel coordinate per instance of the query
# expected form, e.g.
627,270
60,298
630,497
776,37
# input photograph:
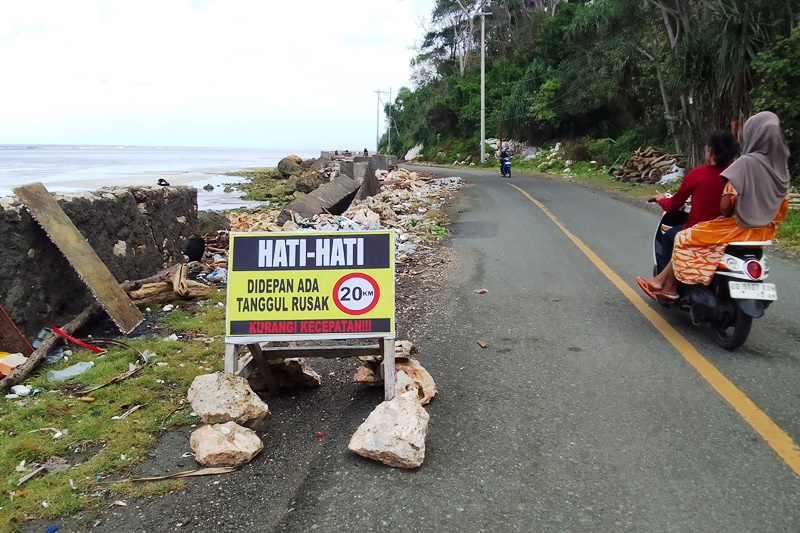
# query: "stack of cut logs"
647,166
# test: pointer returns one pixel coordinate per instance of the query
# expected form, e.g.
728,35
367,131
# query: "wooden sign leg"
230,359
387,345
264,369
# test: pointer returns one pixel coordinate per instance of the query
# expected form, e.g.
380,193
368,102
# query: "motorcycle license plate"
752,291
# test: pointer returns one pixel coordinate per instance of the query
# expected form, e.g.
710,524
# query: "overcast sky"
226,73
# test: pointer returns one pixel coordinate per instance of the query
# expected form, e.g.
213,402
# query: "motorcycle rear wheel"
732,334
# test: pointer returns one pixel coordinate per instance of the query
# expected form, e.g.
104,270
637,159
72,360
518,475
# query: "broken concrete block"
220,398
394,433
333,197
227,444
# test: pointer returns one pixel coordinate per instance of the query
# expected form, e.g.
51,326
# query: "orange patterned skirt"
698,250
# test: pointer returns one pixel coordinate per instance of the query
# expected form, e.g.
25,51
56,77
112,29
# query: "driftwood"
21,372
169,284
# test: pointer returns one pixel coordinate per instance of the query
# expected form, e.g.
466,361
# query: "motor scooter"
505,166
736,294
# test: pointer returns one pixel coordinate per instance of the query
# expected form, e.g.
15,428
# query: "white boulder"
219,398
394,433
227,444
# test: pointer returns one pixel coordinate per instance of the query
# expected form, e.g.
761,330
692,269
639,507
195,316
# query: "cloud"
207,72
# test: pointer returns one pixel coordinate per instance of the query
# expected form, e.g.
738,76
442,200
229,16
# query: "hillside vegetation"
608,75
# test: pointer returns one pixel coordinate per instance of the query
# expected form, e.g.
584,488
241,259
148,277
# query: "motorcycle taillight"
754,269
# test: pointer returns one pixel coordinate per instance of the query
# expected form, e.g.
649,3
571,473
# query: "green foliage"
777,90
643,73
542,109
789,230
602,150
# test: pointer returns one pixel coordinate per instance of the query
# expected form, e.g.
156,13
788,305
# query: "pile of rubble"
652,165
408,202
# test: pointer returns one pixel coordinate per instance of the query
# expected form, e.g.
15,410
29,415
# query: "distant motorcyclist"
505,162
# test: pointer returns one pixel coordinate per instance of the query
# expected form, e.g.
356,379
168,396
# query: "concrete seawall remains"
135,231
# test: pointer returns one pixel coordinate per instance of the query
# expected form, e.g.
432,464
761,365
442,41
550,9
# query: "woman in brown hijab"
754,201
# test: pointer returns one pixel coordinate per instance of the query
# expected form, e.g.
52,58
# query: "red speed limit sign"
356,293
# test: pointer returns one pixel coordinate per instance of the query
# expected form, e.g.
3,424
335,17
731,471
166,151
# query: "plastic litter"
70,372
54,355
675,174
219,275
21,390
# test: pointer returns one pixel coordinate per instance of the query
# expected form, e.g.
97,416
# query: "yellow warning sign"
306,285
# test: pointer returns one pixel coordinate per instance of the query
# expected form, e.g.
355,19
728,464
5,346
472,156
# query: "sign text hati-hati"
333,251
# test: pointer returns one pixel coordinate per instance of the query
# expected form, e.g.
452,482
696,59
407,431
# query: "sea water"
68,168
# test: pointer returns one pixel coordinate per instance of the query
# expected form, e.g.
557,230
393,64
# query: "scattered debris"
127,413
70,372
57,433
22,371
408,202
144,356
53,464
11,361
169,284
187,473
483,344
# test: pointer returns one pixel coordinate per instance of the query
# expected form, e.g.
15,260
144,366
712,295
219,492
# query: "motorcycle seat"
750,243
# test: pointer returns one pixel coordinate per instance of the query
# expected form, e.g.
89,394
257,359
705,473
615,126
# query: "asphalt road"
579,416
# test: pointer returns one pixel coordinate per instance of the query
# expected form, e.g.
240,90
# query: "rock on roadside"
220,398
423,378
227,444
394,433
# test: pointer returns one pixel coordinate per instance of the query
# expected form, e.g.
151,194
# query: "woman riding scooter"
704,186
753,202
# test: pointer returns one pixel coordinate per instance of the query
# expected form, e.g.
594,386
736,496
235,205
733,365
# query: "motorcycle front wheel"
731,333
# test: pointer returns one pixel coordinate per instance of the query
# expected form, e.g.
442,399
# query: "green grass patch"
98,447
789,231
263,184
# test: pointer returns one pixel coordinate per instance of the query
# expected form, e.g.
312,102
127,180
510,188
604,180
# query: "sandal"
645,286
663,294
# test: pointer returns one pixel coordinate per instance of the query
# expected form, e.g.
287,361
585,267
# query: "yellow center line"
780,442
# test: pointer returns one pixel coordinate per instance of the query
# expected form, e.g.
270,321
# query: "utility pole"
378,119
389,131
483,85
